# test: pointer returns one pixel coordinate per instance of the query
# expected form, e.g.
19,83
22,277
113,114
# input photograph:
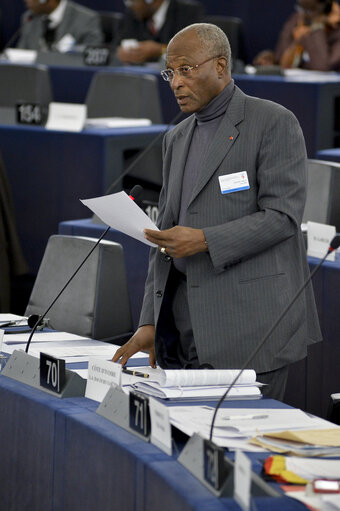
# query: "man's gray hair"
212,39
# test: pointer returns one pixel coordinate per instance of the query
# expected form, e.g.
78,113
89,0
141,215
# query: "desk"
71,84
311,381
329,155
49,171
315,102
59,455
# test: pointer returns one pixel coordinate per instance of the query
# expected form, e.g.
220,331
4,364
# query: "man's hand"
178,241
144,52
264,58
143,339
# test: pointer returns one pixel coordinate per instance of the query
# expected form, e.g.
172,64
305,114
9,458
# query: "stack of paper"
116,122
310,442
199,384
235,427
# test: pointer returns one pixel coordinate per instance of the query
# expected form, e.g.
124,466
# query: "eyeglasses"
186,71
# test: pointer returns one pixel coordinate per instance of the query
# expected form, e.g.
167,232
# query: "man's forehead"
186,48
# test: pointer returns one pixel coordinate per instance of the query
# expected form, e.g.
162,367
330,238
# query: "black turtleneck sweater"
207,122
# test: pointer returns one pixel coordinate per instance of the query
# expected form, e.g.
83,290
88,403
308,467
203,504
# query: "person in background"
230,253
59,25
12,261
148,26
310,38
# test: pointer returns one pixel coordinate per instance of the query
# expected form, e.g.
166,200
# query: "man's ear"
221,66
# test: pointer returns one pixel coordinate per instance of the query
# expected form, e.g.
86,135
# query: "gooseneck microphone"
16,34
335,243
36,320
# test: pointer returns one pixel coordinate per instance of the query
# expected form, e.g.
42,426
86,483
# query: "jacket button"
159,293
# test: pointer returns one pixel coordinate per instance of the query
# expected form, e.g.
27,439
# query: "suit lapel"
223,141
179,155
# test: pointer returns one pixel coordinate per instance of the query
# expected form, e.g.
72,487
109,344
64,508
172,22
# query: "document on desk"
69,347
234,427
120,212
317,440
200,384
116,122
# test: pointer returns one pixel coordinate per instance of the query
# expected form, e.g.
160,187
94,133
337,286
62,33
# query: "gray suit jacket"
256,259
78,21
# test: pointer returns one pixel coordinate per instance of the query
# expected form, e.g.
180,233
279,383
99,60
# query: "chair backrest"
96,302
23,84
323,192
110,23
233,28
124,95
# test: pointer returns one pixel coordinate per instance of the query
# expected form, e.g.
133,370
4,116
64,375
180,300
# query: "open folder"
198,384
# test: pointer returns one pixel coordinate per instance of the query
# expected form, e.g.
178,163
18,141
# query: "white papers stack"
116,122
198,384
17,55
313,468
235,427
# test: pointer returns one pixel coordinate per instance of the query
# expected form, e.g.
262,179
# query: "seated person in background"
59,25
148,26
12,262
310,38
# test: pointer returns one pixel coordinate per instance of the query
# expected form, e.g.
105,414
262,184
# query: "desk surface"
329,155
59,455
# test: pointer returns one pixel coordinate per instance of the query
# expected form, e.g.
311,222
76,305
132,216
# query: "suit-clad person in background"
148,26
59,25
310,38
230,253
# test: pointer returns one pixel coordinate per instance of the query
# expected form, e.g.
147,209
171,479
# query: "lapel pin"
231,138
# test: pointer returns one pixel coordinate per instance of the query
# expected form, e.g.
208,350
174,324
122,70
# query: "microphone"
36,320
136,193
17,33
335,243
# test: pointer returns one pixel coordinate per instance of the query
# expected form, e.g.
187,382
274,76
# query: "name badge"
234,182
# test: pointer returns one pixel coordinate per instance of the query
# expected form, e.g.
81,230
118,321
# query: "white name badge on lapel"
234,182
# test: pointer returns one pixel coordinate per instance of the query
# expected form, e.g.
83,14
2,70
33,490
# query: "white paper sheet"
313,468
120,212
116,122
66,117
232,431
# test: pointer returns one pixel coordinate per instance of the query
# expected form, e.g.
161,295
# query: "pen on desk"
239,417
135,373
5,324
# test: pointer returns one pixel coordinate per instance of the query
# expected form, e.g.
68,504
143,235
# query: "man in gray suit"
230,252
59,25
